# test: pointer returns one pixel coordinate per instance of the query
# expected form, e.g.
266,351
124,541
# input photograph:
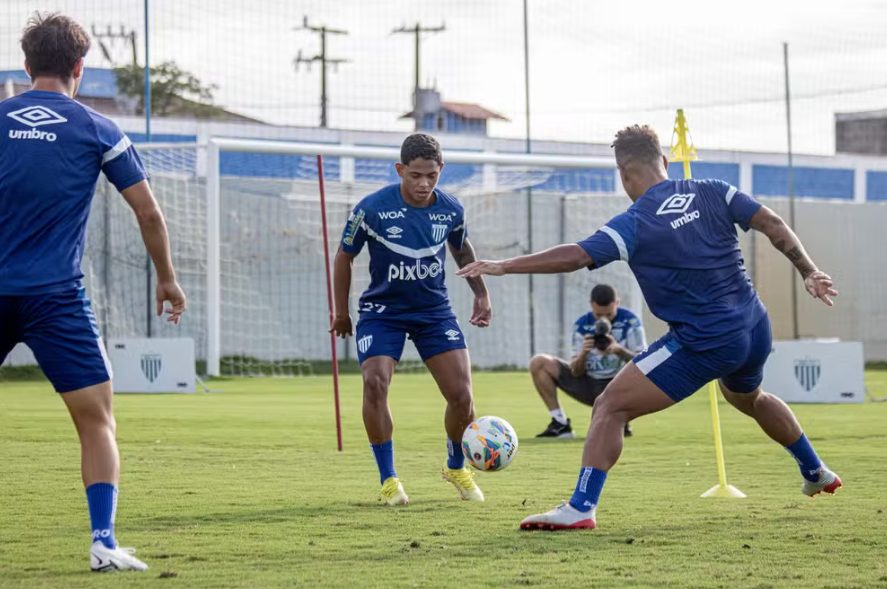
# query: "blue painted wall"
591,180
727,172
809,182
876,186
767,180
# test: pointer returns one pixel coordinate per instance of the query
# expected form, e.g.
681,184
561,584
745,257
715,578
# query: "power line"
417,30
323,31
724,103
113,36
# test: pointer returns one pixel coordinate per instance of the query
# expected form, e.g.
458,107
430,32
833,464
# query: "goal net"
246,233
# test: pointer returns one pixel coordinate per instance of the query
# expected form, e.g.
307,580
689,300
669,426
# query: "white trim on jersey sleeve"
117,150
617,239
402,249
730,194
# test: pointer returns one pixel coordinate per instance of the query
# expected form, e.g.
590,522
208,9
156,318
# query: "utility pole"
417,31
111,36
791,186
323,31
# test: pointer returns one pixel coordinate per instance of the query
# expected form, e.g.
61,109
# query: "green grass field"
243,487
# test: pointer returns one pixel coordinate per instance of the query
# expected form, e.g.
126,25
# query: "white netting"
115,263
274,304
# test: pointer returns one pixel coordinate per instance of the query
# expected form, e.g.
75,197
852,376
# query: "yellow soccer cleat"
463,480
392,492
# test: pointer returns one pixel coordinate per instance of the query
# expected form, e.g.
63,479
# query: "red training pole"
329,296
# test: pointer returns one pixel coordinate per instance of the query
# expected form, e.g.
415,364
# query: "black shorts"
584,389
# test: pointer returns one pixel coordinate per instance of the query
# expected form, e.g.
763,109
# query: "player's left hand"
172,292
481,267
482,313
820,286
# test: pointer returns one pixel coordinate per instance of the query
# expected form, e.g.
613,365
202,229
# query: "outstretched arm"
154,233
818,283
483,309
567,257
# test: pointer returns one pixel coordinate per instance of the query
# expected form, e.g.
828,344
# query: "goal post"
263,209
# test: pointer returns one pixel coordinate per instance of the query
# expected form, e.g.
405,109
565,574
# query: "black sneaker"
558,430
628,433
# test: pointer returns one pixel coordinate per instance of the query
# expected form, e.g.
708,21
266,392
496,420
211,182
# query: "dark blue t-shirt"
407,248
52,149
680,241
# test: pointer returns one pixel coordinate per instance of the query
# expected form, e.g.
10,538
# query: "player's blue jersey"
680,241
52,149
407,248
625,328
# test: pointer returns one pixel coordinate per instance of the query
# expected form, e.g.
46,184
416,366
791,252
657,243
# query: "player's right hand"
341,325
588,344
820,286
171,292
481,267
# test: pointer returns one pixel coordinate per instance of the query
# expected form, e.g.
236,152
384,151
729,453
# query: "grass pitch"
243,488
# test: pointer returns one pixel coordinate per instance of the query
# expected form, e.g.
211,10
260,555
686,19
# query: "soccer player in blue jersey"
52,150
679,239
407,228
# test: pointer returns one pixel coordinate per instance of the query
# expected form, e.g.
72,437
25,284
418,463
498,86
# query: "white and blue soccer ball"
489,443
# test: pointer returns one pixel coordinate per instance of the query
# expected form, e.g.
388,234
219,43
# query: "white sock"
559,416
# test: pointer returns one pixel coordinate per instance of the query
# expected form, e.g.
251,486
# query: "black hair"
603,294
637,144
420,146
53,43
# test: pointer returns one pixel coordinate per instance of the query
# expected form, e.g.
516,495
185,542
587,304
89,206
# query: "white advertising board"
155,365
815,371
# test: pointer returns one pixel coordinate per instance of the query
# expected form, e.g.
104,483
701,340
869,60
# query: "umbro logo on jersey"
676,204
452,335
684,219
394,232
438,232
364,343
36,116
391,215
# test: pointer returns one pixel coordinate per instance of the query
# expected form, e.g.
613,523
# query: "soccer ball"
489,443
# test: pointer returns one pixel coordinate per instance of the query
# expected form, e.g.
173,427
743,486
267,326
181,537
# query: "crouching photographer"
604,340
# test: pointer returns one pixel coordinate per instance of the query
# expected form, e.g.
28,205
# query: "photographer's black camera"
602,328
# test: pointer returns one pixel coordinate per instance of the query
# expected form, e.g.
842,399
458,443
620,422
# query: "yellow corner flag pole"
682,150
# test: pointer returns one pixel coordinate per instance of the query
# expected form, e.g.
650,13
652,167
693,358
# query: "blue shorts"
62,332
433,335
680,372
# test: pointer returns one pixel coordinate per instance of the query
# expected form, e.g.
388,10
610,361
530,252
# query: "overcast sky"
594,66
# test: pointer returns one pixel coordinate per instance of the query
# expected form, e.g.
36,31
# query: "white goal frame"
348,154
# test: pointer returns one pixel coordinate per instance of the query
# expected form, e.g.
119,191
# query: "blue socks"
455,457
806,457
102,501
588,489
384,454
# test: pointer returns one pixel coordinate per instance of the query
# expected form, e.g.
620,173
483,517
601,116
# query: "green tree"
174,91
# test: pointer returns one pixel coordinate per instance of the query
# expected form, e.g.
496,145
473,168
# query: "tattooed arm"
483,310
817,283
